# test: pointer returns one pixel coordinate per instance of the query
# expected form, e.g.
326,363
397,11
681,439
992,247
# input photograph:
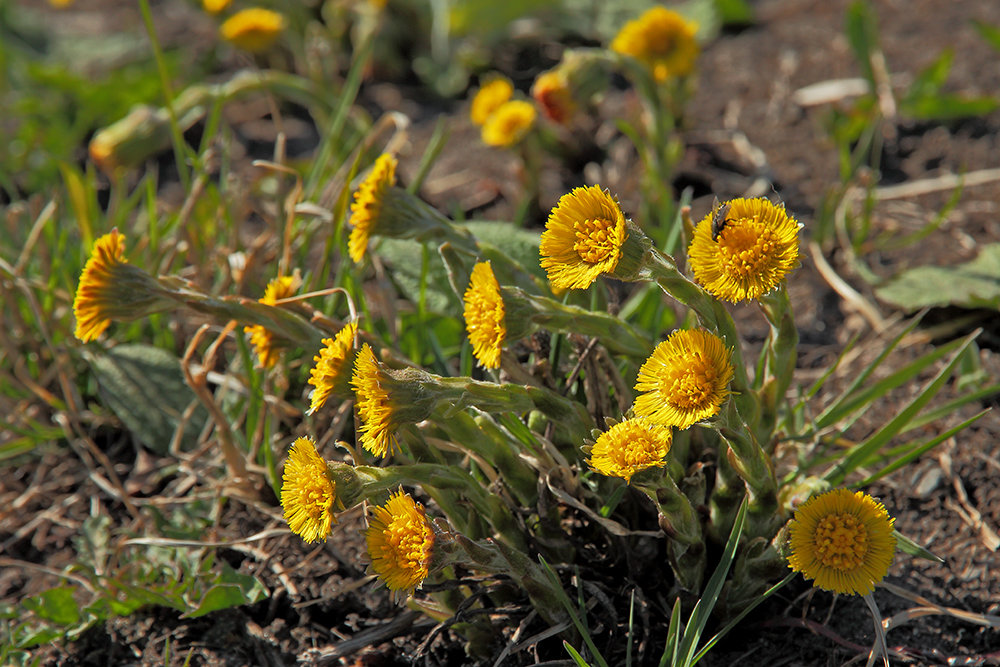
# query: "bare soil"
321,609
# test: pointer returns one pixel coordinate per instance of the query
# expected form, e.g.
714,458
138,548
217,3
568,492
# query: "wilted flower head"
400,542
630,446
253,29
685,380
332,372
261,338
508,125
662,40
308,492
552,93
753,246
583,238
490,96
367,204
485,316
110,288
842,540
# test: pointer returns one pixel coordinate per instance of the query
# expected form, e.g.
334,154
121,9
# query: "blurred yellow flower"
261,338
552,93
509,123
685,380
485,315
308,492
753,246
59,4
367,204
843,541
332,372
253,29
630,446
95,292
583,238
489,98
400,542
373,404
662,40
215,6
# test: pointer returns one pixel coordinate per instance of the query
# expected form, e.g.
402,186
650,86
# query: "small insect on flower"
720,213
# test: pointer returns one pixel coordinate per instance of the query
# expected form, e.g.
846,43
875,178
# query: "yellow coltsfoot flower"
630,446
552,92
253,29
583,238
367,204
744,249
308,492
332,373
400,542
263,341
662,40
685,380
485,316
490,97
843,541
509,124
375,410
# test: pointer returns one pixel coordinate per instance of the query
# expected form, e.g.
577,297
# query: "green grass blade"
673,633
571,611
577,658
951,406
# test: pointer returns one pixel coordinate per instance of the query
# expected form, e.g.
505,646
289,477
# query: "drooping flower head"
685,380
662,40
400,542
630,446
332,372
843,541
489,98
367,204
253,29
753,246
583,238
485,316
308,492
263,341
552,92
112,289
509,124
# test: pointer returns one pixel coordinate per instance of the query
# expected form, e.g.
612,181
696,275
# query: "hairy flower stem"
781,353
678,519
754,467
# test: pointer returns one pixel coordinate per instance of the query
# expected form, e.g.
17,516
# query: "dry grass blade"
929,608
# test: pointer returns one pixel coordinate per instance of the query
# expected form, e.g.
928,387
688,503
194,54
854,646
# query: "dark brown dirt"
319,599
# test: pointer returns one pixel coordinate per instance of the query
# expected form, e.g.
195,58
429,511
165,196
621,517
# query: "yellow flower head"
308,492
753,246
96,285
583,238
843,541
507,125
485,316
400,542
331,374
552,93
215,6
662,40
261,338
630,446
685,380
375,410
253,29
368,204
489,98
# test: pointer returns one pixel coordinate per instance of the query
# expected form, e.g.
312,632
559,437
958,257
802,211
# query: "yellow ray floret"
400,542
583,238
332,371
263,341
253,29
662,40
94,293
685,380
485,316
843,541
630,446
508,125
754,245
367,204
375,410
489,98
308,493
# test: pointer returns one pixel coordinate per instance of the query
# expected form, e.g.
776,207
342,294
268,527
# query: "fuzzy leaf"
975,284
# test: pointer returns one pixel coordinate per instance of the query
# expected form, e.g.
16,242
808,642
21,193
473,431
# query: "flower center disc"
318,498
746,247
593,240
689,386
841,541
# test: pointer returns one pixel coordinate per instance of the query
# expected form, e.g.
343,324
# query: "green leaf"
988,32
734,12
145,387
975,284
577,658
56,605
908,546
862,35
231,589
949,107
